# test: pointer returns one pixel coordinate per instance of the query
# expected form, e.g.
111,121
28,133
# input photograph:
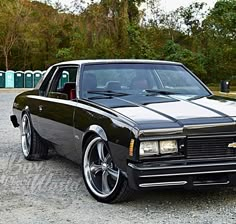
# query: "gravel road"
52,191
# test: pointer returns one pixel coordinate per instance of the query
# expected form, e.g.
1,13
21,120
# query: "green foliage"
65,54
139,45
222,19
194,61
34,35
220,33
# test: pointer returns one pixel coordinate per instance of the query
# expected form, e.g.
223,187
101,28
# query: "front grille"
210,147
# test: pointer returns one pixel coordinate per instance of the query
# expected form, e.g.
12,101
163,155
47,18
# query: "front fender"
118,152
96,129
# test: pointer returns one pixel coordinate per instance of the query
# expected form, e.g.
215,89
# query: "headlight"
168,146
148,148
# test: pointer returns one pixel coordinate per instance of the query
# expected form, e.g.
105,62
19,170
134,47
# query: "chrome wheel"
26,135
100,173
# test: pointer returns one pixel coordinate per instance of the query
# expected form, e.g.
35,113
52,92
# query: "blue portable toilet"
2,79
19,79
9,79
29,79
37,76
64,78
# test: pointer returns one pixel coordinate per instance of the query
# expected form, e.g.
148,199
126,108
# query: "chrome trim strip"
169,131
211,184
54,100
190,173
180,166
162,184
161,131
162,138
212,136
208,125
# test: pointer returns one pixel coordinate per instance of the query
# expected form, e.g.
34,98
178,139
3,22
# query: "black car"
132,124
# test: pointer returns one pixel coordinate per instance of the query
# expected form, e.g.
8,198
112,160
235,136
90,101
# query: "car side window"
63,85
46,81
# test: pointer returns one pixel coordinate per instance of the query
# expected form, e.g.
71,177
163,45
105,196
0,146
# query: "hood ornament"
232,145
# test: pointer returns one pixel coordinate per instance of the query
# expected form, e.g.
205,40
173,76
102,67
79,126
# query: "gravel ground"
52,191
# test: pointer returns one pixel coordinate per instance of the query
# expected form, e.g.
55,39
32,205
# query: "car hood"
172,111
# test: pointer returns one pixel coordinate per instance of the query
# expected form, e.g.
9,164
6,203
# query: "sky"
167,5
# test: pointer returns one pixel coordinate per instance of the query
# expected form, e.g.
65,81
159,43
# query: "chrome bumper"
143,176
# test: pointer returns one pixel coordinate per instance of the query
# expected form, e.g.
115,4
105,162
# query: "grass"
216,90
230,95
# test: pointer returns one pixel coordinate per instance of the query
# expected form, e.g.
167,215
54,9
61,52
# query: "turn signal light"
131,147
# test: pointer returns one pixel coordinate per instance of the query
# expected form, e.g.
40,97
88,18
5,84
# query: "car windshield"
144,78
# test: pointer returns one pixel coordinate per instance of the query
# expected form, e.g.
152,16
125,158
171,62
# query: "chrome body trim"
171,131
187,173
162,138
178,166
161,131
211,184
212,136
163,184
207,125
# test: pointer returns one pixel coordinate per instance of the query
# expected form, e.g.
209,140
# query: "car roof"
80,62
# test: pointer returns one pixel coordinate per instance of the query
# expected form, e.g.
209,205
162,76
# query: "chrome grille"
210,147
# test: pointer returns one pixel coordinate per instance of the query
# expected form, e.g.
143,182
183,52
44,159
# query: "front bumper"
149,175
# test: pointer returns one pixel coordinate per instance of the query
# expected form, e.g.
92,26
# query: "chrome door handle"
40,108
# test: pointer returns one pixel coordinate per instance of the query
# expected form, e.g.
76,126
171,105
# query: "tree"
34,35
194,61
220,39
10,28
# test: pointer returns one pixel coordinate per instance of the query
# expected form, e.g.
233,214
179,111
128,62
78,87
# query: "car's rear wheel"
33,147
102,177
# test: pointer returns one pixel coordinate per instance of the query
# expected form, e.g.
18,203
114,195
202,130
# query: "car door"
56,110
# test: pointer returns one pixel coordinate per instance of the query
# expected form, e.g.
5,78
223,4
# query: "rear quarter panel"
23,103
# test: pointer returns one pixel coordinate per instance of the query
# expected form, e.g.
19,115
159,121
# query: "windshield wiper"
109,93
198,97
162,92
99,97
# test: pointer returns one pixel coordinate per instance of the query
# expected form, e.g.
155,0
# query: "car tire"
103,179
33,147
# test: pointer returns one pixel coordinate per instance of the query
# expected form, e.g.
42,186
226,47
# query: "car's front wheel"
102,177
